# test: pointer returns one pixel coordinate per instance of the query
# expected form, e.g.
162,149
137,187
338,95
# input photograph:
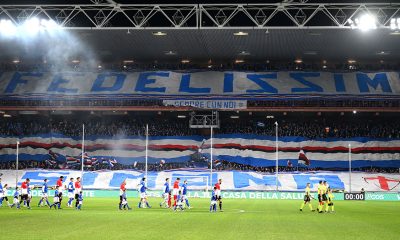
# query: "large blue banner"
211,84
201,179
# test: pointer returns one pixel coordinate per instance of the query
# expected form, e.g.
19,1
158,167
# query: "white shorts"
175,191
77,190
80,202
56,199
44,195
30,195
124,202
184,197
165,196
218,193
24,191
213,202
71,195
143,195
2,195
16,201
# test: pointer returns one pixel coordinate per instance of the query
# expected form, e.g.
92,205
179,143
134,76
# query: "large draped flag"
303,158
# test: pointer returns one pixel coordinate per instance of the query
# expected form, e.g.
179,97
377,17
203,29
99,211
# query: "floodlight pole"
349,167
211,158
147,154
276,155
16,166
82,153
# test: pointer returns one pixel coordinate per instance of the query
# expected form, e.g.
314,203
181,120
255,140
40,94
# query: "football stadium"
150,119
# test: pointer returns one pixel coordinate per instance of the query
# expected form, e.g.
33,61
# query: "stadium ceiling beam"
107,14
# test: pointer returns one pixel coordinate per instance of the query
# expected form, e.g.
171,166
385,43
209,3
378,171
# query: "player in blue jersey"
124,202
184,194
45,194
142,193
165,194
71,192
1,193
56,200
214,198
16,199
27,202
179,201
79,200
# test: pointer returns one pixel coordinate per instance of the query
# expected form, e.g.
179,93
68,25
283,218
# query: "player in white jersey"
4,195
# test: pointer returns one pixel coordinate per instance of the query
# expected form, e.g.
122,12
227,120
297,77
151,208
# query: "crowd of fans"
127,126
317,128
350,103
158,103
98,127
220,166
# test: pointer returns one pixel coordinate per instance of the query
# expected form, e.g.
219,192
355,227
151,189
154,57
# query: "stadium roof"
283,38
341,45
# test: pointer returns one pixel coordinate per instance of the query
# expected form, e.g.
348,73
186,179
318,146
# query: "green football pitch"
241,219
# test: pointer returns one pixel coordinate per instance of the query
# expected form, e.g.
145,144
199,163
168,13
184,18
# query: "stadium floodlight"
365,23
31,26
49,25
7,28
395,23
